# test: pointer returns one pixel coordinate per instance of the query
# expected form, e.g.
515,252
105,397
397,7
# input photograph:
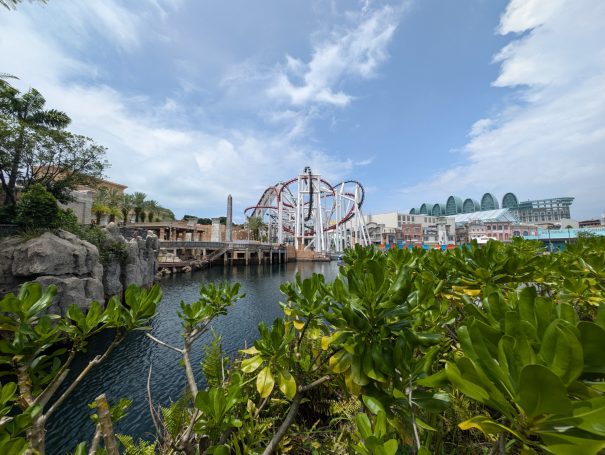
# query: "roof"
486,215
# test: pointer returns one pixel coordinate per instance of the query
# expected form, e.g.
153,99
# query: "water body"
124,373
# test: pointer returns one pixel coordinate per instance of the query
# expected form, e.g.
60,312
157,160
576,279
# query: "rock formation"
61,259
74,265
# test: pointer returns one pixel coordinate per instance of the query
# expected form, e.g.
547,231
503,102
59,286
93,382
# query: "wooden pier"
198,254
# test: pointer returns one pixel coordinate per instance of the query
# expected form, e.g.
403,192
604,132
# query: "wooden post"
109,438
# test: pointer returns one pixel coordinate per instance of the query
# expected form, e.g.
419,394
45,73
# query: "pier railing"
190,245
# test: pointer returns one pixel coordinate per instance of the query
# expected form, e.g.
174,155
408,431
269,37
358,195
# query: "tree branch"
151,408
106,427
162,343
52,387
283,428
97,360
188,369
314,384
96,440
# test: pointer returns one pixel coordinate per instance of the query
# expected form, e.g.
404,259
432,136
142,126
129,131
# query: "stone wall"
74,266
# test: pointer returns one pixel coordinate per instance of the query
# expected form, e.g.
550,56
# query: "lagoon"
124,374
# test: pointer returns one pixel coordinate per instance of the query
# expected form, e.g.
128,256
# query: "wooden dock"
198,254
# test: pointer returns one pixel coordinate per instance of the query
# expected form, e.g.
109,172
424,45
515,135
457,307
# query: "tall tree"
138,202
61,161
152,208
23,119
99,205
113,201
126,205
255,226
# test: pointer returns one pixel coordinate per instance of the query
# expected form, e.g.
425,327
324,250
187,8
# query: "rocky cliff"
74,266
139,267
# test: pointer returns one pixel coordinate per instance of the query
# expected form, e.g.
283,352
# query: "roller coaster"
311,214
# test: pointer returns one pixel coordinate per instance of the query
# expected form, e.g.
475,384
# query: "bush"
37,209
67,220
7,214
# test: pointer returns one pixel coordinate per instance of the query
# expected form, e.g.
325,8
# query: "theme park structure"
311,214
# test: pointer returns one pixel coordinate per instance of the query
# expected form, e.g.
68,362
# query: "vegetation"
109,202
37,209
36,148
39,348
256,227
12,4
496,350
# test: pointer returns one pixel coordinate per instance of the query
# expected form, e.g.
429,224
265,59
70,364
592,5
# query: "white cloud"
355,51
551,142
152,145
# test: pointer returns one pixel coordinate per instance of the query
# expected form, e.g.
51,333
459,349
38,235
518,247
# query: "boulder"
50,254
111,279
73,290
7,249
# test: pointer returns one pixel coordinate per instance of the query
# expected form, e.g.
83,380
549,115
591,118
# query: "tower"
228,230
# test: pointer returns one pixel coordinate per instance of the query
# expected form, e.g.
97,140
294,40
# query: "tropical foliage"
497,349
35,147
109,203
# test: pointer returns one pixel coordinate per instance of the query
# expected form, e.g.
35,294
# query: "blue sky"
416,99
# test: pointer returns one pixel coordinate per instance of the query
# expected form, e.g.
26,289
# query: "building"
380,234
407,227
541,211
498,224
591,223
398,219
412,233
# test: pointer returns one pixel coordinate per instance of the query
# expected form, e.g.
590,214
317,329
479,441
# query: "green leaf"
287,383
373,404
438,379
486,425
390,447
80,449
363,425
468,388
7,392
542,392
265,382
422,424
592,337
572,444
340,362
251,364
562,352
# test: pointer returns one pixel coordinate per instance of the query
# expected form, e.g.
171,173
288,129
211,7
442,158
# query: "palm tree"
27,112
255,225
4,77
138,202
99,205
126,205
113,200
12,4
166,214
152,208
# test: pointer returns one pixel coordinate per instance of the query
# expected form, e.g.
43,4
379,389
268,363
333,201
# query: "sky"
416,99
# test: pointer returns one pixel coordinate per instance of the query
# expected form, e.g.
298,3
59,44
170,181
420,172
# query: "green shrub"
67,220
7,214
37,209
